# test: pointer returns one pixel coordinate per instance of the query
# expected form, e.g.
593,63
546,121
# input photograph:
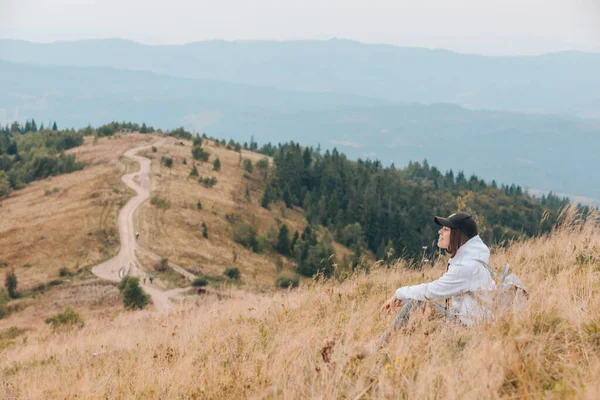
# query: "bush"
64,272
285,281
159,202
200,282
199,154
232,273
263,163
245,234
197,141
204,230
154,149
194,171
65,320
208,182
166,161
199,205
133,295
248,166
10,282
162,265
217,164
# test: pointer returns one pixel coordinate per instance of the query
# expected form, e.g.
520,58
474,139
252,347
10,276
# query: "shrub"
162,265
133,295
159,202
64,271
286,281
166,161
204,230
65,320
197,141
263,163
194,171
154,149
217,164
10,282
208,182
200,282
232,273
199,205
199,154
248,166
245,234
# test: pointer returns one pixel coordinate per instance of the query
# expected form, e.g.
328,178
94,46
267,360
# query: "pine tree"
283,240
217,164
194,171
54,127
10,282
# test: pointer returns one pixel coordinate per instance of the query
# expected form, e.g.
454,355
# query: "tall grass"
303,343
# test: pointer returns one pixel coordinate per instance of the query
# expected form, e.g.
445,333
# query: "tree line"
371,207
28,153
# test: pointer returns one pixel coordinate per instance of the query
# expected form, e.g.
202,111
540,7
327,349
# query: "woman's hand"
389,305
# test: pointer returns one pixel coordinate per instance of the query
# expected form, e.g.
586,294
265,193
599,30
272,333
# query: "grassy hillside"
67,221
303,343
175,231
55,229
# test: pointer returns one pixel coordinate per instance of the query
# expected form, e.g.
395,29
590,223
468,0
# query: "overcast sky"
474,26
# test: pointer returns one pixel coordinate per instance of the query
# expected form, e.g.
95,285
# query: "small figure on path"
137,235
151,279
144,280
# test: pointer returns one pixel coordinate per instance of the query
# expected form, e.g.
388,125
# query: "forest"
369,206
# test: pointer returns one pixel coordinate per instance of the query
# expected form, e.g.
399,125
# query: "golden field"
70,222
303,343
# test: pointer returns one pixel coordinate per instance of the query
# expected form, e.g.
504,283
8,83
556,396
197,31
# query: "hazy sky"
474,26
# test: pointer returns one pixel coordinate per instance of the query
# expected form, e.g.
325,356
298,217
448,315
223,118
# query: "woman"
467,281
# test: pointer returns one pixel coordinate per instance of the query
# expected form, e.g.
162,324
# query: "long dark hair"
457,239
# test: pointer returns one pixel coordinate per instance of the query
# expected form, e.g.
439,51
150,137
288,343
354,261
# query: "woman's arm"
454,282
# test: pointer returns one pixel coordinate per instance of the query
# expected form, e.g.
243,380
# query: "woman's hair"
457,239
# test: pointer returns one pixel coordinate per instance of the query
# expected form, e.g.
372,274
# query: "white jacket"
467,282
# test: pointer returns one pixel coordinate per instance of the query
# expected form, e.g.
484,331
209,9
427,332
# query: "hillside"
53,231
303,343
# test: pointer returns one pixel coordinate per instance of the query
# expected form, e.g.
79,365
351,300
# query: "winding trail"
126,262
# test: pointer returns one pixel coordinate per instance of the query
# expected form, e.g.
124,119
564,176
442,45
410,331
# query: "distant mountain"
541,152
560,83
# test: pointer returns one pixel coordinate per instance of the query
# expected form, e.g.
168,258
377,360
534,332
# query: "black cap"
461,221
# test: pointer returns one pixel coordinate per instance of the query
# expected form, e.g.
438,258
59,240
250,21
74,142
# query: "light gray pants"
408,308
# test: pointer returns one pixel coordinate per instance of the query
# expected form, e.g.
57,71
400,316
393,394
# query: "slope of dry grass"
68,220
302,343
176,232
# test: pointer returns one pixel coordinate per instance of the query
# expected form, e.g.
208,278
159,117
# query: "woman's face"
444,239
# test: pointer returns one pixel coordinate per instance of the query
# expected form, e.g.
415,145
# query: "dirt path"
126,262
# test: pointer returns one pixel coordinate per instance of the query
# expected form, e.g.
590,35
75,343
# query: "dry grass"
301,343
176,232
43,230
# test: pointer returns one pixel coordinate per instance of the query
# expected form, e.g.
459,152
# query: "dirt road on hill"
126,262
